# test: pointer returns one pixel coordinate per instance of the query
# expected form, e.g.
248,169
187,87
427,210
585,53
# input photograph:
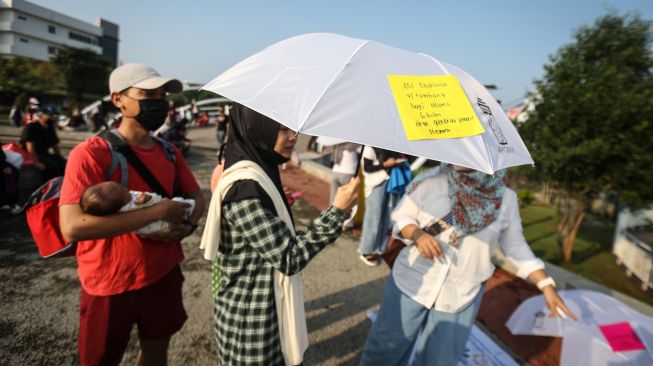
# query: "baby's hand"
142,198
172,211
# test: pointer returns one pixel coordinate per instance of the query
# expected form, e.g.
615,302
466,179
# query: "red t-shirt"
125,262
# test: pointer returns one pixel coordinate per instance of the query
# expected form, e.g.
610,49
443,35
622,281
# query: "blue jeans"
376,221
396,330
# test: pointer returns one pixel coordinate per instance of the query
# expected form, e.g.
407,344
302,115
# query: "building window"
24,40
82,38
52,29
22,17
52,50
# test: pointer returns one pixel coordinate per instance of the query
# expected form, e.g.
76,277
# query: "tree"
20,76
47,77
15,77
84,72
590,131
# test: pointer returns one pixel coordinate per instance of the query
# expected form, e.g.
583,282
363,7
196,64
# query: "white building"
32,31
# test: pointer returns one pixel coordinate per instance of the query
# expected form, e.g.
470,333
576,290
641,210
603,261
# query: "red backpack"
42,207
42,212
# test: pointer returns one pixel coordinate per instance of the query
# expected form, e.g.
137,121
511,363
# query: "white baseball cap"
140,76
33,100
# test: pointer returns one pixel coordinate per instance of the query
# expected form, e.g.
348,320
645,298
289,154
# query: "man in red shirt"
128,279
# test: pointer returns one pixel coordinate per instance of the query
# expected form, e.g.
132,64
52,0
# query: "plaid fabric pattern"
255,242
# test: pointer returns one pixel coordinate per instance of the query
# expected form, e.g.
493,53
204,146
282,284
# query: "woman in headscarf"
259,309
451,219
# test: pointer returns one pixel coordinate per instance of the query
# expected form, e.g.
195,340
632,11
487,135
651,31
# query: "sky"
506,43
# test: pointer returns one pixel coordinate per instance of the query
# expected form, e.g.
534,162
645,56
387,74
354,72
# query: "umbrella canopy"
584,343
351,89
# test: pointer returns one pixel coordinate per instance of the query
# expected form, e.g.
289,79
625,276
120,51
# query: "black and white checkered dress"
255,242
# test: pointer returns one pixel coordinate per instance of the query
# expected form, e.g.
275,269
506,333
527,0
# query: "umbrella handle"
358,164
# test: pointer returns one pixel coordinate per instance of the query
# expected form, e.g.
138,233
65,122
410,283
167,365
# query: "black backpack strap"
170,154
167,149
122,147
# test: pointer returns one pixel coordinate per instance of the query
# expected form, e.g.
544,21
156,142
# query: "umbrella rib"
299,128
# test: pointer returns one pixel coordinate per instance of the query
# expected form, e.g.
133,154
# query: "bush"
525,197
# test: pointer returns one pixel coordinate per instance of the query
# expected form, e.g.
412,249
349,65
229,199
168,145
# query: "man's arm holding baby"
77,225
200,203
183,229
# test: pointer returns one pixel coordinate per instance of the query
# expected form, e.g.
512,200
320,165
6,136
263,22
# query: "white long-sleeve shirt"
452,282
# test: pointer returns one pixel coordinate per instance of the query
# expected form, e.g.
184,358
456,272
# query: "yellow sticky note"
434,107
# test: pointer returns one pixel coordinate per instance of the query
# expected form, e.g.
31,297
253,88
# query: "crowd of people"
38,146
128,229
39,142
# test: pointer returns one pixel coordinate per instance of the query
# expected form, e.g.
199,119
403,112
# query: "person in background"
221,128
345,161
171,111
9,183
203,121
194,110
452,219
76,122
98,118
30,113
378,203
177,136
16,115
42,143
170,120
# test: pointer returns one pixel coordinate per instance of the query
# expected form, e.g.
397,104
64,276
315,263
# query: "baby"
108,198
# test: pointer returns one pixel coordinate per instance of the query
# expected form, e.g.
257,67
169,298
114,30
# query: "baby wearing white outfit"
108,198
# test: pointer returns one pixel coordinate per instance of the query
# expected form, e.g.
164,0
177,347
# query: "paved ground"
40,299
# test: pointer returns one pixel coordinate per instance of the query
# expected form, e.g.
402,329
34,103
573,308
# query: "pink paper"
621,337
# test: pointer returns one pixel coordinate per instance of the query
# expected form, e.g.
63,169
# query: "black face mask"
153,113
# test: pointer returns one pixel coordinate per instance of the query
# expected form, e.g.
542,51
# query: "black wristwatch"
192,226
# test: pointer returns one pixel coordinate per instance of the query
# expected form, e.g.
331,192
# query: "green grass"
592,256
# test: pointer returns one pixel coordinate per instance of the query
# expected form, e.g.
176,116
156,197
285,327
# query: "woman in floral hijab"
451,219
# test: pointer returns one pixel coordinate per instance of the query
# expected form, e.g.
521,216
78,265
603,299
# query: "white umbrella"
586,346
335,86
583,341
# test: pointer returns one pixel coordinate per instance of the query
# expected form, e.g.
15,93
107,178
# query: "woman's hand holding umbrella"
347,195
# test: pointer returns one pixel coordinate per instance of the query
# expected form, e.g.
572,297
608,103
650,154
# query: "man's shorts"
106,321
